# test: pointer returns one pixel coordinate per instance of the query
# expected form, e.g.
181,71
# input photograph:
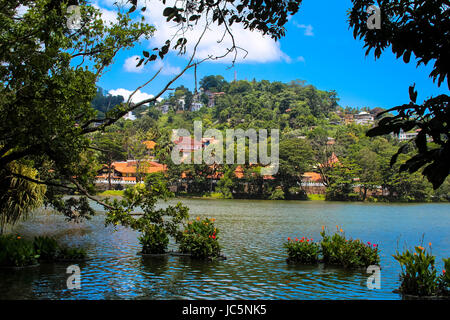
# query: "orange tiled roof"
150,144
312,176
131,166
331,160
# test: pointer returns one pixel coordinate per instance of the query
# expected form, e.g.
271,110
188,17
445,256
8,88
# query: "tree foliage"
421,29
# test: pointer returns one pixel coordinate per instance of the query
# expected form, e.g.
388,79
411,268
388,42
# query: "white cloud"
108,16
167,69
260,48
308,28
21,10
130,65
301,59
137,97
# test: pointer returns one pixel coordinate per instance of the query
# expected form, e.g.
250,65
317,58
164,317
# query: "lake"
252,234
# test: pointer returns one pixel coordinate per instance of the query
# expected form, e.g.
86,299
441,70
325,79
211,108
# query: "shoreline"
311,198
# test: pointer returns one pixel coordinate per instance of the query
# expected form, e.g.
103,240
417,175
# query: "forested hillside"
313,126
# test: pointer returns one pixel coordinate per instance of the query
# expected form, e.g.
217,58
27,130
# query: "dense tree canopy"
421,29
49,73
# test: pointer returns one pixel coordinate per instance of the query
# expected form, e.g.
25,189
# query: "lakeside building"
127,172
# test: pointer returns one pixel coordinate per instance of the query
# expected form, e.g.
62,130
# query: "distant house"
363,118
195,106
181,104
331,141
212,97
187,145
165,108
348,118
331,161
313,177
405,136
150,147
129,116
126,172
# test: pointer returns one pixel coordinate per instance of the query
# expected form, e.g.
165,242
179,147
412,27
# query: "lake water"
252,234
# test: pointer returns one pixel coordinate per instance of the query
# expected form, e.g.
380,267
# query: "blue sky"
318,47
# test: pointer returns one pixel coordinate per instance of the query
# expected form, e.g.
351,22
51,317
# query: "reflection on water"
252,234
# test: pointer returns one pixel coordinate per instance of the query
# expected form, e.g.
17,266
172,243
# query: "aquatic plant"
349,253
302,251
71,254
16,251
200,239
444,278
46,247
154,239
155,225
419,276
333,249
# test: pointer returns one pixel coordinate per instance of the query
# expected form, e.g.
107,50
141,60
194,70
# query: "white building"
363,118
165,108
405,136
195,106
181,104
129,116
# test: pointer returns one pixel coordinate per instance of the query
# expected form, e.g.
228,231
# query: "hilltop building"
212,97
363,118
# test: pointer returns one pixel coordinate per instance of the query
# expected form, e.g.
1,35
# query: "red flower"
213,237
289,239
296,239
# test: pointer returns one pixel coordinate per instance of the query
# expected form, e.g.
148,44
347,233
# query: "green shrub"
277,194
349,253
302,251
419,276
155,225
47,248
16,252
316,197
200,239
66,253
154,239
444,279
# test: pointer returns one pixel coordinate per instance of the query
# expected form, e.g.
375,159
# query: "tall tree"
49,71
418,28
110,146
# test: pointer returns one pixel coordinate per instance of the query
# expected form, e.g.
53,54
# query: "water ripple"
252,234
